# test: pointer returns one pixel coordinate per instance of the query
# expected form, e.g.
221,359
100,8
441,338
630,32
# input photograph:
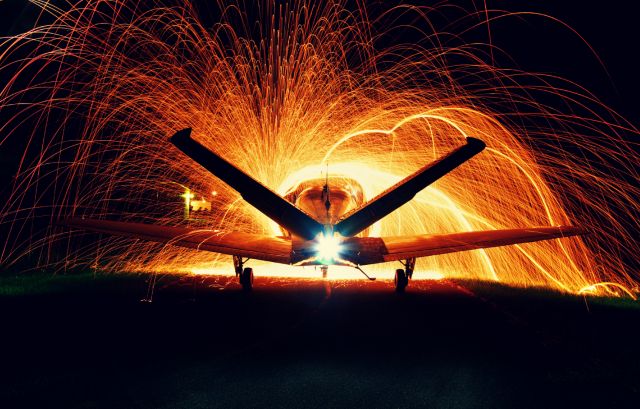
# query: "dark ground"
91,343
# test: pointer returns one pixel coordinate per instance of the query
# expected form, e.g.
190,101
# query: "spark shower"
95,89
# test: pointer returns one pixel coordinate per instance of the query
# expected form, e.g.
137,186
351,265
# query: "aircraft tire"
246,279
401,281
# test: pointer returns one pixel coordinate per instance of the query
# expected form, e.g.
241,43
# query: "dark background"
535,44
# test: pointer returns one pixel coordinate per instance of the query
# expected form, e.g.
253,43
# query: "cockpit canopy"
311,195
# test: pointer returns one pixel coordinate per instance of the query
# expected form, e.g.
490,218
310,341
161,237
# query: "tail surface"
406,189
255,193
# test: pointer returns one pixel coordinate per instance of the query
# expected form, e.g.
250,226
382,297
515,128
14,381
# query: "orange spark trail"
280,95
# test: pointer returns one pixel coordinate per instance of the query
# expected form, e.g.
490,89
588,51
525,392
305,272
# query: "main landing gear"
245,274
403,275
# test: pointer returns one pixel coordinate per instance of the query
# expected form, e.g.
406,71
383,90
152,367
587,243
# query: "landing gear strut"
245,274
403,275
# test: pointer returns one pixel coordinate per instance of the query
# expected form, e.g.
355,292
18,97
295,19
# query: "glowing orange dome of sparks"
310,88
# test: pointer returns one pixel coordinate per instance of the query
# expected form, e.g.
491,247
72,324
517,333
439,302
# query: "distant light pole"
187,202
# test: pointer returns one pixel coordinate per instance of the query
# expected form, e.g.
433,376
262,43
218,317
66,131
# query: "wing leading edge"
371,250
255,246
357,250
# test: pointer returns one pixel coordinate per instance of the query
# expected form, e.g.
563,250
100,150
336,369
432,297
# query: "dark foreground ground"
91,343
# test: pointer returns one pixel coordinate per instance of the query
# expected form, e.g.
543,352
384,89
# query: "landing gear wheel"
246,279
401,280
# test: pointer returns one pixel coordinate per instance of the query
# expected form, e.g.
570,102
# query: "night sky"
535,44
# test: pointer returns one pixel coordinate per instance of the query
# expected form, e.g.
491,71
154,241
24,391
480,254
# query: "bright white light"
328,248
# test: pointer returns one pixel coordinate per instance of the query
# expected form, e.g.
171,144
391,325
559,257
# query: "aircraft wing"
370,250
255,246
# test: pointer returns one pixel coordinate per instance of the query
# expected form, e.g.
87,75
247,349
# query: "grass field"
44,282
88,341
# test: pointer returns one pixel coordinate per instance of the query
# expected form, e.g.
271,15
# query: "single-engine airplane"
324,224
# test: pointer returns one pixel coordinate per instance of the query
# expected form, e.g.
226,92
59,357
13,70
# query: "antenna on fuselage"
325,191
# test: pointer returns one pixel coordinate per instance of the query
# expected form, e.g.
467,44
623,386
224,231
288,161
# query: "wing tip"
181,135
476,143
573,230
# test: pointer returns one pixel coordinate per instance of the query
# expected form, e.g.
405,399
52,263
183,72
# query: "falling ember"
281,98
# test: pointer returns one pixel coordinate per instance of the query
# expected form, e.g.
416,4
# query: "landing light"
328,248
